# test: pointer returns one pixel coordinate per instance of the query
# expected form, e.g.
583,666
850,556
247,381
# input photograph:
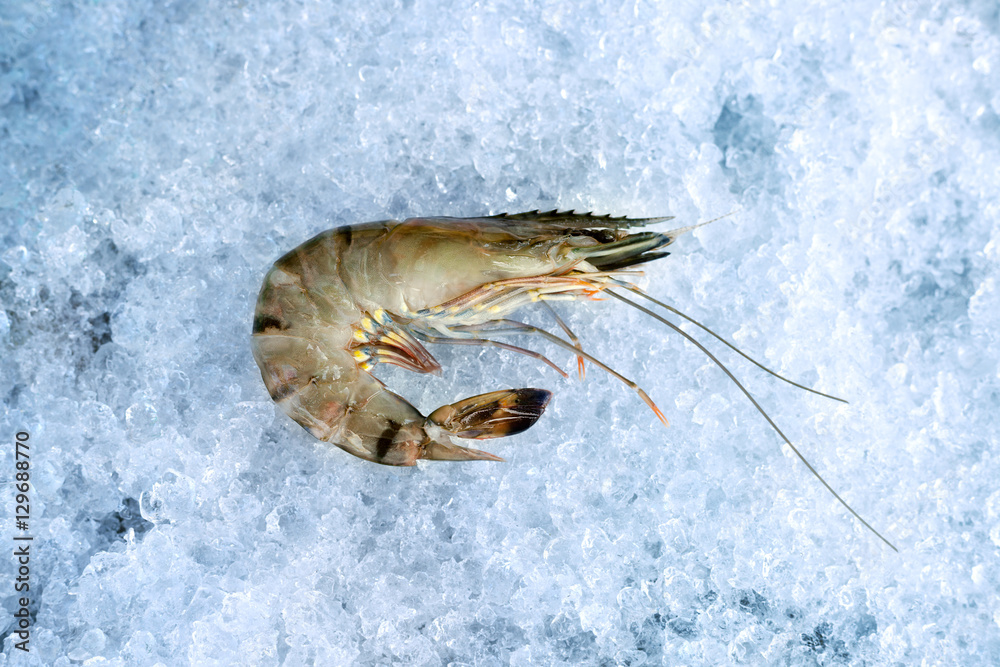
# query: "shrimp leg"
506,326
572,337
485,342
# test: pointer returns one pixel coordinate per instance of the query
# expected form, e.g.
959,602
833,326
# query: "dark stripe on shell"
262,323
346,232
283,391
385,440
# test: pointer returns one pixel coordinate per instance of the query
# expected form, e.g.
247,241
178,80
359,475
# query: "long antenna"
636,290
756,405
674,233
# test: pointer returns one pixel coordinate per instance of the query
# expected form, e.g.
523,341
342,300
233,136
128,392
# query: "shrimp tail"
493,415
446,451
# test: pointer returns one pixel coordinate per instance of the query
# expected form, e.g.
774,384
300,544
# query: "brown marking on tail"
493,415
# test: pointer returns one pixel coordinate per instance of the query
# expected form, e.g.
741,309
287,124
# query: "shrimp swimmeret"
356,296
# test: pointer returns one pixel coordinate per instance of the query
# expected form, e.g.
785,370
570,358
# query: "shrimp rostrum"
360,295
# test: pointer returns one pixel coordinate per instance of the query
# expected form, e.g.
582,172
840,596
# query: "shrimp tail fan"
493,415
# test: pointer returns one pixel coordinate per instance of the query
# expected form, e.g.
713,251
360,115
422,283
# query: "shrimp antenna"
777,430
636,290
674,233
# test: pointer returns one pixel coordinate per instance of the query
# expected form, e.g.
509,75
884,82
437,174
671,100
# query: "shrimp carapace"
360,295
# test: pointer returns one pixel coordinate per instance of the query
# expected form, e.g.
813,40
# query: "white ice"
156,157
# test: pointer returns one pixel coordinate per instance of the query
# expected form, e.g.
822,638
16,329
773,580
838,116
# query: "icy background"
155,158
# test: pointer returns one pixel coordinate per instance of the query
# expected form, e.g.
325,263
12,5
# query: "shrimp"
360,295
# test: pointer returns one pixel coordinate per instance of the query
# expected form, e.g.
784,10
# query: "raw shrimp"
355,296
